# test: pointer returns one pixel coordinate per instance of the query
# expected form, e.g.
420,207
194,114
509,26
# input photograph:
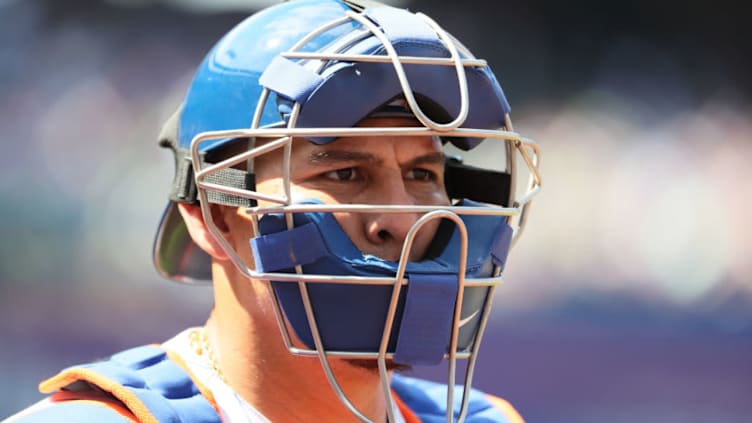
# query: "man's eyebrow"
430,158
328,157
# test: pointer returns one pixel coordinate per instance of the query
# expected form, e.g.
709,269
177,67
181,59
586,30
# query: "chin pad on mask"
350,316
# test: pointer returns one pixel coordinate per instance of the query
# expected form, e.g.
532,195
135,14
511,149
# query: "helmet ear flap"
477,184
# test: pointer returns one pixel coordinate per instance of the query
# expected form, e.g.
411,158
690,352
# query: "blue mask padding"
348,92
298,81
501,245
400,24
341,257
286,249
351,317
426,320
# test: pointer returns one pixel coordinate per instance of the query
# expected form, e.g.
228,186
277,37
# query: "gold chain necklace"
199,341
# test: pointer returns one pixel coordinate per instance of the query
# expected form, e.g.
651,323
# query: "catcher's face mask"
310,71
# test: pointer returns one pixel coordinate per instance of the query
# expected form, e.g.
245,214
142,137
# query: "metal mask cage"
515,146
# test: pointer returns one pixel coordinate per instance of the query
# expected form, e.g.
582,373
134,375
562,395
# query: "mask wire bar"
404,258
407,90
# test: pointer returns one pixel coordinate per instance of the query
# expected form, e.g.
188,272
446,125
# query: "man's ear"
201,235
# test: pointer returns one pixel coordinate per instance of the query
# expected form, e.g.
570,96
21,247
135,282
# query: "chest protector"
150,387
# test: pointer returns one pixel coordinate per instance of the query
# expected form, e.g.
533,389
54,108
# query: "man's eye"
423,175
347,174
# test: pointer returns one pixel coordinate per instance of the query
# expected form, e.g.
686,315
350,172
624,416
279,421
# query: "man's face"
367,170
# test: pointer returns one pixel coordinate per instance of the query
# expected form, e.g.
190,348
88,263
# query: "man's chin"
373,365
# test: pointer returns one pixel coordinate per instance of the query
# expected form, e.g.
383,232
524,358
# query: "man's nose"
388,231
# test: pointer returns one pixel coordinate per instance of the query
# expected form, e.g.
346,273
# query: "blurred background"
628,299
